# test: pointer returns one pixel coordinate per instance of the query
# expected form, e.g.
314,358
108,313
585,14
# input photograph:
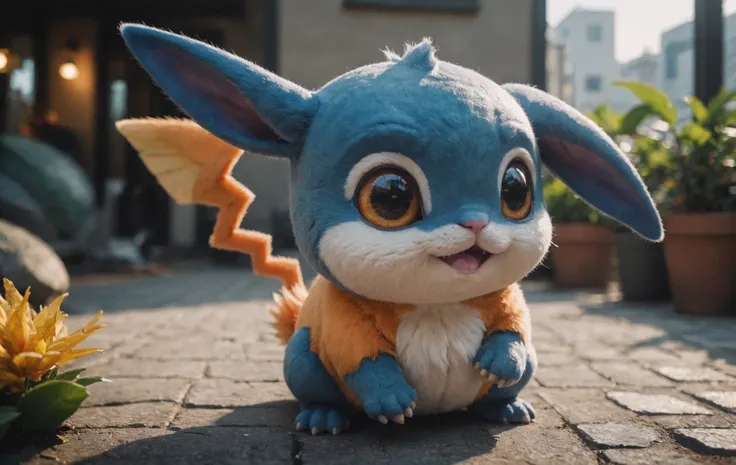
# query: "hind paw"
318,419
509,411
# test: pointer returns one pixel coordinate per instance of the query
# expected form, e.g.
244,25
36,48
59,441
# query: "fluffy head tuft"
419,56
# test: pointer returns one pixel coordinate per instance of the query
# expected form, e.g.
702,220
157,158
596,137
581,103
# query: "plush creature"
416,194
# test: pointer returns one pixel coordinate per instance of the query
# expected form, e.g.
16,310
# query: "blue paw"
318,419
502,358
509,411
382,389
395,405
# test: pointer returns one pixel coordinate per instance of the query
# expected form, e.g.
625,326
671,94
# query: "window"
442,5
595,33
593,83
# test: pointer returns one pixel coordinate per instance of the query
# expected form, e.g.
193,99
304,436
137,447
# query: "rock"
667,454
577,375
712,441
725,400
628,374
144,414
28,261
129,390
224,393
245,370
656,404
612,435
695,374
585,406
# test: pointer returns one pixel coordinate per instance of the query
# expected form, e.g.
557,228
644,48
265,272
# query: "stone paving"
197,379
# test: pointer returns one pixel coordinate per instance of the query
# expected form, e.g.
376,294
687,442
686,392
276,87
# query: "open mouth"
468,261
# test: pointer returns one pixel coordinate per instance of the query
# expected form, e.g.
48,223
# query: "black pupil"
514,189
391,196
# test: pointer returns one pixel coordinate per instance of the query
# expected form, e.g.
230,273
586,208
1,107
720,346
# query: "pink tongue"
464,263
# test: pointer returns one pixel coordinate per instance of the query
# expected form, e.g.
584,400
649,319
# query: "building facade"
588,40
309,42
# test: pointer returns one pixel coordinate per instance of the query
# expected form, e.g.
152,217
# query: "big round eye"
516,191
388,198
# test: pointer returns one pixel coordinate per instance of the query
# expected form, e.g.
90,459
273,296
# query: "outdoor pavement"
197,380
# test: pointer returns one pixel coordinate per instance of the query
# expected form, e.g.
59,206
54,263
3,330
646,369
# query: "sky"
639,23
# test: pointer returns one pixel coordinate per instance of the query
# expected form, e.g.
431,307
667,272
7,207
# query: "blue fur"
381,387
324,407
503,404
234,99
578,152
504,354
453,122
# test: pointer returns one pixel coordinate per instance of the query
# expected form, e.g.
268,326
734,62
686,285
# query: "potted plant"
699,198
582,253
642,270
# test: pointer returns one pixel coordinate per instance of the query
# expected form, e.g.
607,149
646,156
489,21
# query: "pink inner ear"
571,160
219,90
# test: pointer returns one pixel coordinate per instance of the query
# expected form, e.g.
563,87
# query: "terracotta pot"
642,268
701,260
583,256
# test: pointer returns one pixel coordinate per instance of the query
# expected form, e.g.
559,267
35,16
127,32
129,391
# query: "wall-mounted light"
69,69
4,60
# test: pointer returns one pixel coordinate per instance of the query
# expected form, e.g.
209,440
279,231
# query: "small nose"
475,226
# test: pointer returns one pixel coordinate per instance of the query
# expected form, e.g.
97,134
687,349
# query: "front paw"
382,389
396,404
502,358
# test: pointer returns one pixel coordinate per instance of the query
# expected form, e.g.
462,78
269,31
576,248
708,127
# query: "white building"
677,62
589,48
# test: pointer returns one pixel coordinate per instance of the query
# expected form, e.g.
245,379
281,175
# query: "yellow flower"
33,343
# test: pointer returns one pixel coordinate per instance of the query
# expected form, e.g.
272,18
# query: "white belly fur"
435,346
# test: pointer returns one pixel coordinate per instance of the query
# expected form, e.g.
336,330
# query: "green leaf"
699,111
633,119
695,133
46,406
8,414
658,100
731,118
70,375
92,380
718,104
606,118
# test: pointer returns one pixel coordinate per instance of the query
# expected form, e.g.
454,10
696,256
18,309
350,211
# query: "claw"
335,431
300,426
316,430
399,419
493,379
409,412
477,365
383,419
413,405
484,373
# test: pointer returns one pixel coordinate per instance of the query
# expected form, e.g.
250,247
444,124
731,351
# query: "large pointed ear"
585,158
236,100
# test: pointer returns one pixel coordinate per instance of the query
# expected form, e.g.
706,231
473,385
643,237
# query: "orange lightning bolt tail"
194,167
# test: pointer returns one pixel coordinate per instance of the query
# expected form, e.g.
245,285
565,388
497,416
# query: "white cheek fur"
400,266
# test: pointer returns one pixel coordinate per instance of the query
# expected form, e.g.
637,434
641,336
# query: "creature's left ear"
234,99
578,152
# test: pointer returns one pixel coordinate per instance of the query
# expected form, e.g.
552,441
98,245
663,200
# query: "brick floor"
197,379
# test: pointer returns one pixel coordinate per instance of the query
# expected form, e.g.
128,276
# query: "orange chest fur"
346,329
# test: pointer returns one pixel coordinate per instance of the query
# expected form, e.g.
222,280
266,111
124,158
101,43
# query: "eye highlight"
388,198
516,191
